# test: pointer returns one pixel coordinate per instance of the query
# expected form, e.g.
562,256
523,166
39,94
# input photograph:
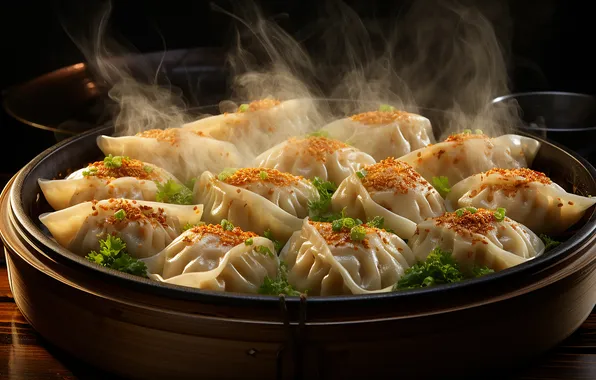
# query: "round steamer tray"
143,329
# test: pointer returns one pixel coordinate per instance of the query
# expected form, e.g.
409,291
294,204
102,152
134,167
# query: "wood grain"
26,356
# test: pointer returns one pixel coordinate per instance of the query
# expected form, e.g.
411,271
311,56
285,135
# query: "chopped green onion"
147,169
500,214
357,233
120,214
248,241
112,162
467,132
376,222
264,251
361,174
461,211
478,132
90,171
263,175
267,234
441,184
386,108
319,133
188,226
243,108
227,225
226,173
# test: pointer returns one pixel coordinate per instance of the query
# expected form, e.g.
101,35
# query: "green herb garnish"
318,210
499,214
344,222
461,211
264,250
147,169
549,243
113,162
478,132
357,233
90,171
441,184
467,132
227,225
173,192
386,108
280,285
191,183
263,175
243,108
226,173
361,174
120,214
248,241
376,222
188,226
438,268
276,243
112,254
319,133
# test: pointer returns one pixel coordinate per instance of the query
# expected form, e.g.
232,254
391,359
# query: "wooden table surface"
24,354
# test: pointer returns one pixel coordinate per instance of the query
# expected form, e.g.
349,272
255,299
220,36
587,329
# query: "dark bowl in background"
565,117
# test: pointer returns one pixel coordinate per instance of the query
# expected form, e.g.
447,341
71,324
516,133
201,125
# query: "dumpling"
256,199
383,134
477,237
212,257
393,190
145,227
259,125
181,152
357,260
466,154
114,177
529,197
315,156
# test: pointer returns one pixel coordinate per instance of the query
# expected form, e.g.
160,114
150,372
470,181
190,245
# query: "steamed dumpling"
327,262
259,125
114,177
477,237
212,257
393,190
529,197
383,134
145,227
466,154
256,199
315,156
181,152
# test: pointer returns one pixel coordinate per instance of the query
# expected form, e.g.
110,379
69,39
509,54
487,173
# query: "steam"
439,55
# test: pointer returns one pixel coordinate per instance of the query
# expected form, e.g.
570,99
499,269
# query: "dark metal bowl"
565,117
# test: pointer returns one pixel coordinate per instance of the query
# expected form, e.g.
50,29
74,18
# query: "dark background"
551,40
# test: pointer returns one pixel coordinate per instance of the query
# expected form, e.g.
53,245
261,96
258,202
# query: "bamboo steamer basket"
138,328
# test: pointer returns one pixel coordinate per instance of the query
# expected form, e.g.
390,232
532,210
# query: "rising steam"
445,55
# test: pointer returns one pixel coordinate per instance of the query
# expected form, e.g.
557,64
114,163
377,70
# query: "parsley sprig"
319,209
173,192
441,184
279,285
112,254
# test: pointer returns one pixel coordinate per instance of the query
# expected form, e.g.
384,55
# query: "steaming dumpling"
327,262
315,156
479,237
259,125
393,190
214,258
529,197
145,227
383,134
181,152
466,154
114,177
256,199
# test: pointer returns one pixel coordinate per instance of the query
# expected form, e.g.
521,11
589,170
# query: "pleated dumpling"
466,154
383,133
344,258
259,125
477,237
256,199
529,197
393,190
114,177
183,153
315,156
216,257
145,227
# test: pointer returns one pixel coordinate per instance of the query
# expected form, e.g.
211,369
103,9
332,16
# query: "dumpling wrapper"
259,125
181,152
327,263
463,155
477,239
529,197
211,258
390,189
277,202
383,134
133,180
147,228
315,156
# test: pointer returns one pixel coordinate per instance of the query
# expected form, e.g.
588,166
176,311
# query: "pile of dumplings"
234,201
